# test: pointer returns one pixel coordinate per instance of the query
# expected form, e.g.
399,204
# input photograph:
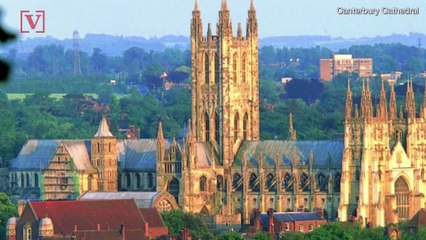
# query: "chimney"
21,206
123,231
257,221
186,234
146,229
271,220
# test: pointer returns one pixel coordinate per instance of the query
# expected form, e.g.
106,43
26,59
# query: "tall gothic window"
207,125
288,182
206,68
305,182
237,182
254,183
271,182
236,121
203,184
216,68
220,183
244,68
234,68
245,123
173,188
322,182
217,127
128,181
402,193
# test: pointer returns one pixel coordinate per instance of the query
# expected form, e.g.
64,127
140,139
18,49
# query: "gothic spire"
348,100
196,6
293,136
239,31
424,96
410,105
103,129
209,31
160,134
252,21
392,103
382,105
224,6
366,105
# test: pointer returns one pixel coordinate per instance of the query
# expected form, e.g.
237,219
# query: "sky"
156,18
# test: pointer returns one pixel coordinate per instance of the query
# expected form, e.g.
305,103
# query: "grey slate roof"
323,151
37,154
138,154
292,216
142,199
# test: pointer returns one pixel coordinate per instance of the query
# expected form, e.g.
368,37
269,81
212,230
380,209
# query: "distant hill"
116,45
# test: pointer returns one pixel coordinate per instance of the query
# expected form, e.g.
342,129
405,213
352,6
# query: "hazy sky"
148,18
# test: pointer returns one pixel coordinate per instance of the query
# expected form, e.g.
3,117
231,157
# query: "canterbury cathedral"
383,164
219,167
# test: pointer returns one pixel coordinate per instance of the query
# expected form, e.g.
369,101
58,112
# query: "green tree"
177,220
262,236
7,210
230,236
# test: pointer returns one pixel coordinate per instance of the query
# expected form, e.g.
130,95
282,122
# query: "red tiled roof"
152,216
87,214
111,235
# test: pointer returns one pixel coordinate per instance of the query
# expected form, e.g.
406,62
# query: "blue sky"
149,18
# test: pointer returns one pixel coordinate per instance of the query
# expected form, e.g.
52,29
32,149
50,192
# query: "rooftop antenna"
76,49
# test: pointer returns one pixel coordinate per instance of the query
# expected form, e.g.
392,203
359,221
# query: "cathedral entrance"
402,193
173,188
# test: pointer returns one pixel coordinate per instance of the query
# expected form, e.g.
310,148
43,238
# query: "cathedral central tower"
225,83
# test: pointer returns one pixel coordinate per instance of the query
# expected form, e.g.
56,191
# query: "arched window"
337,182
237,182
216,68
288,182
99,147
245,122
305,182
236,121
270,182
217,127
206,68
402,194
244,68
150,180
109,147
234,68
207,123
128,181
321,182
204,211
219,184
173,188
28,180
35,180
138,181
203,184
254,182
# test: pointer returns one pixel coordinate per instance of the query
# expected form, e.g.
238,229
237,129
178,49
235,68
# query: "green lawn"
21,96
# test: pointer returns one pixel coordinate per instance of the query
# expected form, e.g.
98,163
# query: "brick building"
100,219
341,63
278,222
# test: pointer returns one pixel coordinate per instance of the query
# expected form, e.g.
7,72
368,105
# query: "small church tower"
104,157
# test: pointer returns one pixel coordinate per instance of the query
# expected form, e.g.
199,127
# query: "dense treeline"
317,106
177,221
